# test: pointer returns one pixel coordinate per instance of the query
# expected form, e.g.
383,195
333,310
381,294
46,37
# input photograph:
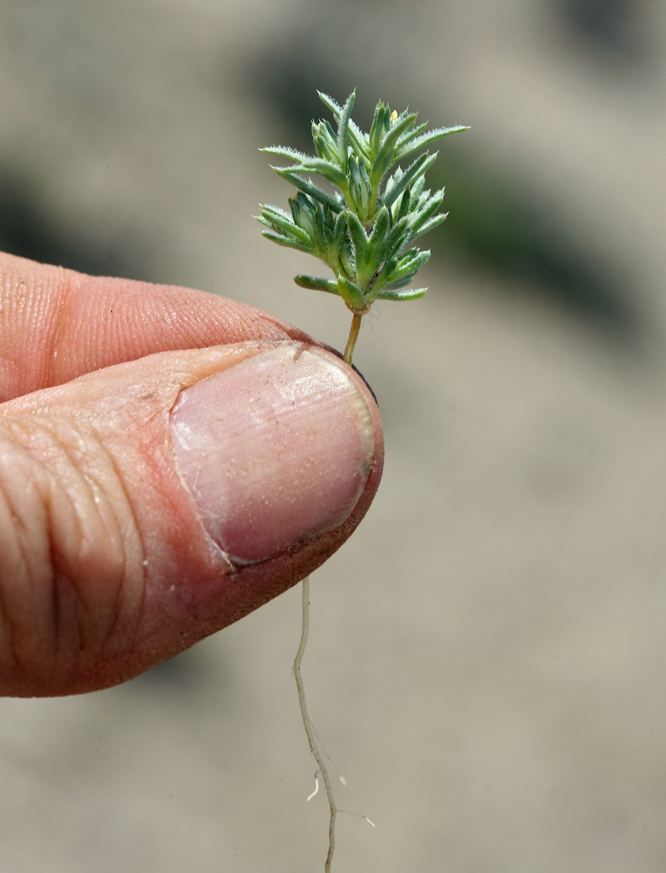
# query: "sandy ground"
487,653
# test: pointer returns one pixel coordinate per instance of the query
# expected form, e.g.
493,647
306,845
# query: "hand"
169,461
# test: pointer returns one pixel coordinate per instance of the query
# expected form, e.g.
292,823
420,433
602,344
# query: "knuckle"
70,547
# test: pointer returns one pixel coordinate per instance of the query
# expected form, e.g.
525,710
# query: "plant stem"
357,318
307,724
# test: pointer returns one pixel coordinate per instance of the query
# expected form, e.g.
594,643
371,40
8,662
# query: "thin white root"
316,791
316,747
344,811
326,755
307,724
358,815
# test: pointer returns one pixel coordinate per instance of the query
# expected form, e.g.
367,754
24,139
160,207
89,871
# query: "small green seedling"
362,232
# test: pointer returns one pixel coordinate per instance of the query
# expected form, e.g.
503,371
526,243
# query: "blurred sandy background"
487,658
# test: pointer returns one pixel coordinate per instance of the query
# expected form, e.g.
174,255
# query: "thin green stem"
357,318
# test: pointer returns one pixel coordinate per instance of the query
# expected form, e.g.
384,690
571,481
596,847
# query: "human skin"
170,460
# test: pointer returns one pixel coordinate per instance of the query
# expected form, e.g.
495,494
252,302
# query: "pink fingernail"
274,450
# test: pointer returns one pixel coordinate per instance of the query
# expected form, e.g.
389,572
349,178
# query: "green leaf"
377,246
331,104
381,227
308,187
335,244
317,284
304,214
284,241
364,177
357,141
378,127
347,259
352,295
324,168
400,283
392,181
340,228
343,127
320,234
280,221
357,187
403,207
430,225
410,263
386,155
329,224
418,168
417,189
391,286
355,134
359,239
324,144
286,152
395,275
428,209
426,139
412,134
397,237
407,294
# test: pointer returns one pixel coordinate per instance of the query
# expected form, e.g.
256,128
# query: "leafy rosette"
364,228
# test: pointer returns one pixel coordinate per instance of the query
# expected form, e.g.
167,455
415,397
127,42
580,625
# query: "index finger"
57,324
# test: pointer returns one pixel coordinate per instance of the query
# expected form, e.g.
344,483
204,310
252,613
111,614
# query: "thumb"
148,504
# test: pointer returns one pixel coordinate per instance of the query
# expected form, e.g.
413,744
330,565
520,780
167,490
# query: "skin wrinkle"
96,491
61,584
11,300
67,620
131,525
35,319
70,288
43,579
114,528
71,617
24,574
45,494
19,519
7,632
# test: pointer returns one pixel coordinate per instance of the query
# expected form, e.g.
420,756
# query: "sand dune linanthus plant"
364,230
